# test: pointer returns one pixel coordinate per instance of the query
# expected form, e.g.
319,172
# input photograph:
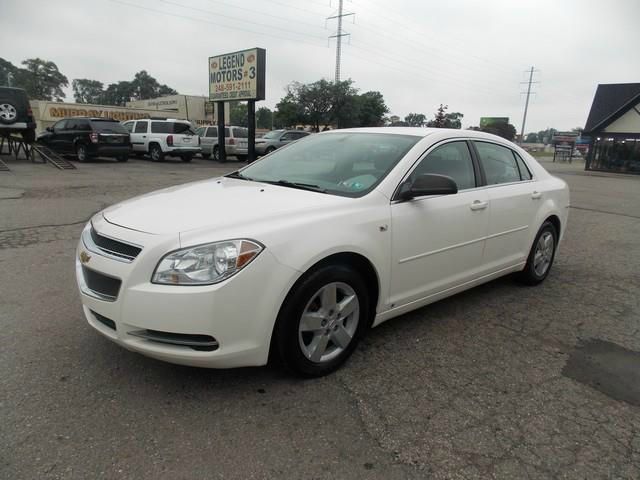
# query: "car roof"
421,132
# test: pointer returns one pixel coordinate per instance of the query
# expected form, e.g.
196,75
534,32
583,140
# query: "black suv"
15,114
87,137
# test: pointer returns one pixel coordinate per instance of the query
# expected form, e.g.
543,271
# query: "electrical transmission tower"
526,104
338,36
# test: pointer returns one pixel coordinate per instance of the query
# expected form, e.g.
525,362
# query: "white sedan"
299,254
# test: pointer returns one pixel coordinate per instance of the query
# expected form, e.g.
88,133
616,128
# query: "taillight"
93,136
170,140
232,141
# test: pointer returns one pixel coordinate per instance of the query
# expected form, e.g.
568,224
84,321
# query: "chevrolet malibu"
297,255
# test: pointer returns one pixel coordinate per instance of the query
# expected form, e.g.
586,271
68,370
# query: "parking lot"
502,381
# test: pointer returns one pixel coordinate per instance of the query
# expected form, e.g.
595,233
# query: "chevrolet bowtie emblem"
84,257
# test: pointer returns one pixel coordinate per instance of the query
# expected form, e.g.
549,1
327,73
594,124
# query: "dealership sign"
487,121
55,111
237,76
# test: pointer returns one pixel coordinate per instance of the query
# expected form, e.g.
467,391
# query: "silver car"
235,142
276,139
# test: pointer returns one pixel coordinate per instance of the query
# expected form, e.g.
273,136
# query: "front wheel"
322,320
206,156
541,255
216,154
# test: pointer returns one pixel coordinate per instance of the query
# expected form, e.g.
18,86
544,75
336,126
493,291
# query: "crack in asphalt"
605,212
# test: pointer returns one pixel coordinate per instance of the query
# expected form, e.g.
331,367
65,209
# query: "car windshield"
106,126
273,134
346,164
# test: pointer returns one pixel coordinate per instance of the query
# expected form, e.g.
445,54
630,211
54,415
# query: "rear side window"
141,127
240,133
212,132
525,174
170,127
104,126
498,162
453,160
226,132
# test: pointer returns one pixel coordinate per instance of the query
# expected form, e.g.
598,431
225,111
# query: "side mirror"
49,129
428,184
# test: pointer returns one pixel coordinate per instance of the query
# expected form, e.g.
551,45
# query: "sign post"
234,77
222,152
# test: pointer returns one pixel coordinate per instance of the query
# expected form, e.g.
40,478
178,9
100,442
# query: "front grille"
100,284
115,247
205,343
107,322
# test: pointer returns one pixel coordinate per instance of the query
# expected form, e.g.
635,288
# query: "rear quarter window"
108,127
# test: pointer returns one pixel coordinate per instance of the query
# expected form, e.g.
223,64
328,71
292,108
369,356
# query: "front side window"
212,132
240,133
498,162
451,159
128,126
141,127
346,164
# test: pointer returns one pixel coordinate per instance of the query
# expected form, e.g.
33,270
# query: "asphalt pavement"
502,381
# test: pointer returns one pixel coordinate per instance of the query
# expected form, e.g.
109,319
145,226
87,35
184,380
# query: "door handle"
478,205
536,195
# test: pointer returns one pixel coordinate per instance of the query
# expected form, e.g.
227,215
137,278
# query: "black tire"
8,113
123,158
532,274
206,156
269,150
286,332
216,154
81,152
187,157
241,158
155,153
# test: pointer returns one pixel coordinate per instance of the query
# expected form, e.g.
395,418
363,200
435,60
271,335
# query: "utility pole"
338,36
526,105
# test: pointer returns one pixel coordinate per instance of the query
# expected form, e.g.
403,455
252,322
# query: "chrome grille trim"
88,240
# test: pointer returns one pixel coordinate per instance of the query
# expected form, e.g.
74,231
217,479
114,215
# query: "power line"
218,24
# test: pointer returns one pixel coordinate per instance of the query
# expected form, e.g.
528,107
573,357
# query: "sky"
471,55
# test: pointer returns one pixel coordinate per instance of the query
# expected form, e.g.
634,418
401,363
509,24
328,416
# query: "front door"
438,241
139,136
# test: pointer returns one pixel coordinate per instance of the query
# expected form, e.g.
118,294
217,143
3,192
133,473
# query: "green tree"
41,79
440,118
87,91
317,100
264,118
453,120
504,130
238,114
118,94
415,119
288,111
531,138
144,86
372,109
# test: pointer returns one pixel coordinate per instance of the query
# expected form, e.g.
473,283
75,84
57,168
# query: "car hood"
216,203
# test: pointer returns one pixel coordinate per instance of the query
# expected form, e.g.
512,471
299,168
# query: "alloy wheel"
329,322
8,112
543,254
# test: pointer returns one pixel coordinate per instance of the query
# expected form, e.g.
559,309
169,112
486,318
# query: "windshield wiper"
302,186
238,175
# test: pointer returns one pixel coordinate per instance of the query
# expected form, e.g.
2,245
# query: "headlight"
206,264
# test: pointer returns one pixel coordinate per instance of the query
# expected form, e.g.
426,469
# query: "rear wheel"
81,152
322,320
8,113
155,152
206,156
541,255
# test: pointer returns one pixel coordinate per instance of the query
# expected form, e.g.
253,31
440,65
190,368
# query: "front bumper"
239,320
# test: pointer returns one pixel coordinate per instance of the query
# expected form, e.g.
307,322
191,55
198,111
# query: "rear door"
184,135
241,136
512,205
139,140
209,139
